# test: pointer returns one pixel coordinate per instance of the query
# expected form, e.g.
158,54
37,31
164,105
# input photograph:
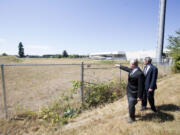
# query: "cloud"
3,41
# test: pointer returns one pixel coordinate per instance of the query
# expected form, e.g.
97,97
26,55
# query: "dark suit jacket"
151,77
135,85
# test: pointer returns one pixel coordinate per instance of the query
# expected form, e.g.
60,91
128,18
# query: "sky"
83,26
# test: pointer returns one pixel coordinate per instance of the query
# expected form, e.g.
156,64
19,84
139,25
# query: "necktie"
145,69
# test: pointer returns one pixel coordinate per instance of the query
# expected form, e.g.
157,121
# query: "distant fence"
33,85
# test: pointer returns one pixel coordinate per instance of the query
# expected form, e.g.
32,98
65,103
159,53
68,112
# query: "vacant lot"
31,87
111,119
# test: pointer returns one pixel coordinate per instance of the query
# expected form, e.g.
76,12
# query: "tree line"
63,55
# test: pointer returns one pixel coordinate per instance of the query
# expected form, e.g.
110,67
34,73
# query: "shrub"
174,51
100,93
106,92
176,66
51,115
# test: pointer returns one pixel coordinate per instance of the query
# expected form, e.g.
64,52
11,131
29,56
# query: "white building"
140,54
118,55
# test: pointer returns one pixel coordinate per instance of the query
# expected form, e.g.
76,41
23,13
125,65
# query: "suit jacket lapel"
134,72
150,68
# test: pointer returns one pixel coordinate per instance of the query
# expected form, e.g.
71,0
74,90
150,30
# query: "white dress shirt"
146,69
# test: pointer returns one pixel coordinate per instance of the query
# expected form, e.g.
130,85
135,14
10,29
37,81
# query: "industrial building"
119,55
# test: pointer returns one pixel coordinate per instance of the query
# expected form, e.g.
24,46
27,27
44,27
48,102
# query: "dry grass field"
31,87
111,119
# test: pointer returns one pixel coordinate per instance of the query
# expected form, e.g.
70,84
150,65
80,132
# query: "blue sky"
83,26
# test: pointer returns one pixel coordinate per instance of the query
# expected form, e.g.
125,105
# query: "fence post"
120,74
4,90
82,82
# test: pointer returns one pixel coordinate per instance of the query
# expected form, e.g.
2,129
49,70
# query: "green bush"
51,115
58,112
176,66
100,93
106,92
174,51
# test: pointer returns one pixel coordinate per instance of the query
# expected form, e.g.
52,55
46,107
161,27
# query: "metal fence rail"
40,64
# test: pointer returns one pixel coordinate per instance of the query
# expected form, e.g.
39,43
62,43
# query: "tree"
174,50
21,50
65,54
4,54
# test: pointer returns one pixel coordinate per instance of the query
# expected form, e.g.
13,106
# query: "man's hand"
150,90
118,65
139,99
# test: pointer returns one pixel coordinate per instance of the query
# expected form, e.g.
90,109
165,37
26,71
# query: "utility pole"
160,43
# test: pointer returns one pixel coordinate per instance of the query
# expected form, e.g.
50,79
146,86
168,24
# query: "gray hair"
134,62
148,59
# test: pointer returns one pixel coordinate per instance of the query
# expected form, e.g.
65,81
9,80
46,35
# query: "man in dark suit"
151,73
134,88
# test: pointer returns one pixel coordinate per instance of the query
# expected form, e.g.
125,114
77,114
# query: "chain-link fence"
32,86
29,87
